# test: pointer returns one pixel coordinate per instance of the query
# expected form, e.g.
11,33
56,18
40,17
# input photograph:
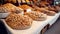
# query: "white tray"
53,18
36,27
4,15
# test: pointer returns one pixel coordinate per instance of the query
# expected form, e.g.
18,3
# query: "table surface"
35,28
3,29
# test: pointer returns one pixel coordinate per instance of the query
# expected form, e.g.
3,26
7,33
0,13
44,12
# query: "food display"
21,17
28,16
43,3
50,13
19,22
2,10
57,8
8,8
13,1
44,10
11,8
37,16
26,7
3,13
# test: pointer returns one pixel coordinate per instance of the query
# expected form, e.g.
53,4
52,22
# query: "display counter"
36,27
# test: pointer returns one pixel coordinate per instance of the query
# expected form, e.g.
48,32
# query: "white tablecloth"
36,27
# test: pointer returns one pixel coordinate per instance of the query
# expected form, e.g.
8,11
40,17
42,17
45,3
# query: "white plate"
4,15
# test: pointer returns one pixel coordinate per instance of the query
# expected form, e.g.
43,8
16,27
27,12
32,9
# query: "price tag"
29,10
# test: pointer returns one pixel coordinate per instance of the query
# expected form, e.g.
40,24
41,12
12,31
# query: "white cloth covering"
36,27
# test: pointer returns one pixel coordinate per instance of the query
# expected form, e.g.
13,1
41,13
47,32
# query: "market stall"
28,16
